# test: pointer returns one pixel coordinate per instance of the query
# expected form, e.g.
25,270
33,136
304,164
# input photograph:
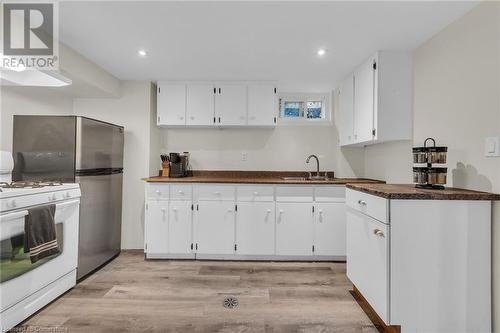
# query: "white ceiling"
247,40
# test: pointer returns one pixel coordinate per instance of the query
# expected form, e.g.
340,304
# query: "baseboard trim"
238,257
370,312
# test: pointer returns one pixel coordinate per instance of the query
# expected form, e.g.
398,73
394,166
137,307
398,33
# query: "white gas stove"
26,287
17,195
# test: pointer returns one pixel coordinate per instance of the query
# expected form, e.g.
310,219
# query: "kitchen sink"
294,178
297,178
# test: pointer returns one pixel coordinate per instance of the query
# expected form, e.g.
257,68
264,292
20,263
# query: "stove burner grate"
29,184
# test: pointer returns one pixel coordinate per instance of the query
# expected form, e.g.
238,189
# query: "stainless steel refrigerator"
85,151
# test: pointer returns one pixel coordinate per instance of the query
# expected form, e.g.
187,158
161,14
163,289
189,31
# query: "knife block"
165,169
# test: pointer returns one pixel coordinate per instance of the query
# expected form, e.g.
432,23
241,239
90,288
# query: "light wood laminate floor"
134,295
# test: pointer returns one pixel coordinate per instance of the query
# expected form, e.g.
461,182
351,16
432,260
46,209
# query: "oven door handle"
67,203
13,216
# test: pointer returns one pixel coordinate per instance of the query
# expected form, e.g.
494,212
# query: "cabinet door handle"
174,209
268,211
378,232
282,211
229,210
362,202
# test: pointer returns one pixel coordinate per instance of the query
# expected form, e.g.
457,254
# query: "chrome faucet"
317,165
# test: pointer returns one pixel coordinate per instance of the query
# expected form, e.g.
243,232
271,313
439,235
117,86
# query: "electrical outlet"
244,156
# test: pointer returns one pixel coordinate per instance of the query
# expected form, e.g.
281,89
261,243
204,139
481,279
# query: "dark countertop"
409,192
256,177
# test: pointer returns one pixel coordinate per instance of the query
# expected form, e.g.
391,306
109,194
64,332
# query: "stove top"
20,189
28,184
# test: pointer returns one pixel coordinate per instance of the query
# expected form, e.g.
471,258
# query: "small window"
303,107
292,109
315,110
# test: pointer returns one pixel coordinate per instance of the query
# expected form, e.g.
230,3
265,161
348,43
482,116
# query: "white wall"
284,148
132,109
456,101
391,162
32,101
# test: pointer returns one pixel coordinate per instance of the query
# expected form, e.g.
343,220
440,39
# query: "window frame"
304,98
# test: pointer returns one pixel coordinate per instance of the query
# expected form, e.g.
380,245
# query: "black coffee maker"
179,164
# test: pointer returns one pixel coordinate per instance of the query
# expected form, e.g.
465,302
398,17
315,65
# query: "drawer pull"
362,202
378,232
158,192
216,193
180,192
255,193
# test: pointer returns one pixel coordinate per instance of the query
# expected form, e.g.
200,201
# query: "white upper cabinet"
364,101
171,107
231,105
215,104
380,104
262,105
200,104
346,111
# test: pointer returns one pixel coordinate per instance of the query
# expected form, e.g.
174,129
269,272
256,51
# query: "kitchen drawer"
157,191
216,192
368,204
255,193
294,194
368,259
181,192
329,193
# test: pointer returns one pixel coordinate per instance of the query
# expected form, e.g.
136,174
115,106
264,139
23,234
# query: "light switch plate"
492,147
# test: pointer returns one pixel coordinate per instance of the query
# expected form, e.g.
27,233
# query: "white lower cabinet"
368,260
156,227
294,228
214,227
255,228
224,221
179,227
330,229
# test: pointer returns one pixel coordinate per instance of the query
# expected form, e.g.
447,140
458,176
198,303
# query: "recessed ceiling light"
321,52
142,53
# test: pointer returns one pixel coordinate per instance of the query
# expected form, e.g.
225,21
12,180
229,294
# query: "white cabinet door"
364,102
346,111
200,104
179,222
367,259
255,228
231,105
171,105
156,227
294,228
262,105
214,227
330,229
